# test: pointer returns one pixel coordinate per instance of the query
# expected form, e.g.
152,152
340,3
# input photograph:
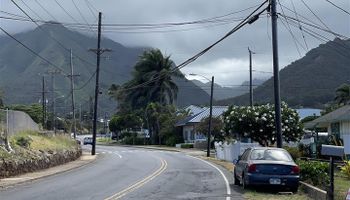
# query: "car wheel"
244,182
235,179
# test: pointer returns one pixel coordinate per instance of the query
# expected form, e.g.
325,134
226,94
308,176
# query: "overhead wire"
32,51
26,5
64,10
82,16
90,9
340,8
300,28
296,42
195,57
47,12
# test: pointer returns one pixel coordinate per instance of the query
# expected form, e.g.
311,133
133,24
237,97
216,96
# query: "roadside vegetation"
29,144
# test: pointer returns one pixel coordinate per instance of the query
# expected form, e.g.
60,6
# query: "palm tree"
155,71
343,94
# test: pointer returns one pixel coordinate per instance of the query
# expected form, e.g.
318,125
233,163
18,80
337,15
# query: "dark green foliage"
314,172
132,140
216,127
310,81
186,146
294,152
308,119
35,111
23,141
154,70
342,94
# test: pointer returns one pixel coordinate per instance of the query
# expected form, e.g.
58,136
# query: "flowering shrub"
346,169
258,123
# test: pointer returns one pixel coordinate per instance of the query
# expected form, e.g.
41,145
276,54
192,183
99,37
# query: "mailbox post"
332,151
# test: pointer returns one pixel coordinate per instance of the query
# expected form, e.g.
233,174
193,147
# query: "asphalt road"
130,173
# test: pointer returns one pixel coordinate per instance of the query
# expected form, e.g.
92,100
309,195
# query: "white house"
337,124
189,124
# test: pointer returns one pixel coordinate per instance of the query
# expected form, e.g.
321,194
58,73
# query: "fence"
12,122
230,152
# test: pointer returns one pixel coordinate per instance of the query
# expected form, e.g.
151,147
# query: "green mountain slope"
21,72
310,81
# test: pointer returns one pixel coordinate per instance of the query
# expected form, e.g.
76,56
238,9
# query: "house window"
335,129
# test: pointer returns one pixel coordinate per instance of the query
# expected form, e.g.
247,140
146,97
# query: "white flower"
286,121
240,119
232,112
261,130
256,118
263,118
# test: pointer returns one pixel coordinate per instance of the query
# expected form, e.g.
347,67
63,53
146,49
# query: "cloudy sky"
228,61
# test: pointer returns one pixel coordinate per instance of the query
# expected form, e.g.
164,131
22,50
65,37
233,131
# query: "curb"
26,178
313,192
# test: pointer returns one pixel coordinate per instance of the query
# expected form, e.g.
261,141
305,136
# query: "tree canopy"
152,82
258,123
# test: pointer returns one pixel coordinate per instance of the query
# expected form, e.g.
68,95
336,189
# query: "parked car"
266,166
87,140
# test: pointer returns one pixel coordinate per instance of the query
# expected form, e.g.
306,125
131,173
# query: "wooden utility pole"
276,79
250,78
98,52
72,75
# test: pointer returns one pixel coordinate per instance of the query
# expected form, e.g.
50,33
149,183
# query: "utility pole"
98,52
210,116
276,79
250,78
44,103
72,75
53,72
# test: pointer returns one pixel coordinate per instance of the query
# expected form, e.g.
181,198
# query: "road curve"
129,173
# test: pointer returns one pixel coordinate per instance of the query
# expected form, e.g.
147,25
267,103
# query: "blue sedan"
266,166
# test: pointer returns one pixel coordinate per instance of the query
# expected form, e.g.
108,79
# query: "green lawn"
262,195
341,186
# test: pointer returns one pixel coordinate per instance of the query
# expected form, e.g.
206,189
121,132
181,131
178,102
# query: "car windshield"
270,154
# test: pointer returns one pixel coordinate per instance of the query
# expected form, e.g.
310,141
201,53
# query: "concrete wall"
20,121
230,152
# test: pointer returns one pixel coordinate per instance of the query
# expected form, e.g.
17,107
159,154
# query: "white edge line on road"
116,153
228,189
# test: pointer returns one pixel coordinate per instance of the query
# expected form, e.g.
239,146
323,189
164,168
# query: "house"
337,124
189,124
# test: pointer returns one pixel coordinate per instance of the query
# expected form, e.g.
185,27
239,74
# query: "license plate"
275,181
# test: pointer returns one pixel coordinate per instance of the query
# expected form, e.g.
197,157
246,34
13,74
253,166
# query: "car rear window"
270,154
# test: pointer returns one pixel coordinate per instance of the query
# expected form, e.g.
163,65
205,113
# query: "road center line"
140,183
228,189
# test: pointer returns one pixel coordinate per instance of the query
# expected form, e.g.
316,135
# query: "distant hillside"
221,93
21,72
310,81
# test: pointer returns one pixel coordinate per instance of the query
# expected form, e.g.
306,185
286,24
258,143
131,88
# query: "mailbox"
331,150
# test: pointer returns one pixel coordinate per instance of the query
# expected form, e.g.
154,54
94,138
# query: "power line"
248,19
296,42
64,10
300,28
47,12
338,7
319,19
90,8
30,9
82,16
32,51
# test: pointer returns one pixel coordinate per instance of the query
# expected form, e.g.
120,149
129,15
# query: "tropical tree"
152,82
216,128
343,94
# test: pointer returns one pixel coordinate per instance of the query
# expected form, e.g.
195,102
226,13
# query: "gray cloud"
229,56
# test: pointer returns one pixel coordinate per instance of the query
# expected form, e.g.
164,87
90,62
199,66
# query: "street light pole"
210,111
210,115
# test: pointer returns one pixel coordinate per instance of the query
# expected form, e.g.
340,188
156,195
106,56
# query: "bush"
346,169
314,172
186,146
171,141
132,141
294,152
23,141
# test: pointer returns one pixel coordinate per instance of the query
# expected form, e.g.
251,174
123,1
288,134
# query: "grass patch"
34,141
341,186
263,195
